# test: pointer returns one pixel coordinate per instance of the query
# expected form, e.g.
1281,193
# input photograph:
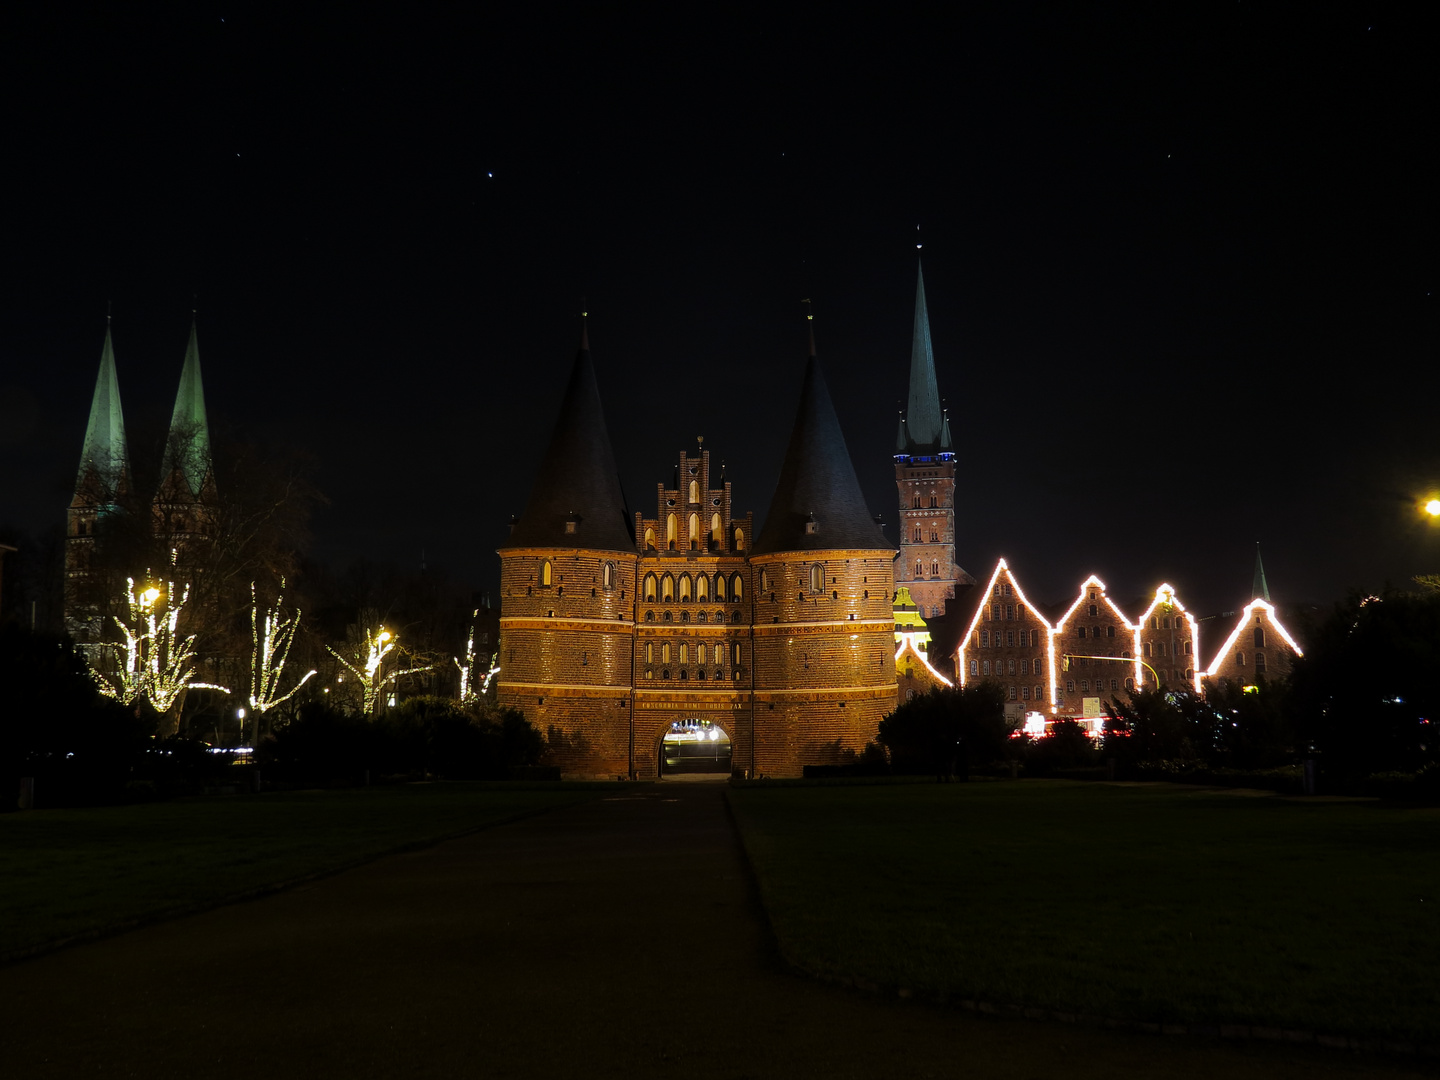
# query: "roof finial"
918,244
584,326
109,308
810,319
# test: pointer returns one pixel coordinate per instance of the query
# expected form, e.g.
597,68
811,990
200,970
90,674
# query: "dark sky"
1179,261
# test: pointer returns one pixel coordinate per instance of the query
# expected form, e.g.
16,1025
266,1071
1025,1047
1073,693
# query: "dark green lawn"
69,872
1147,902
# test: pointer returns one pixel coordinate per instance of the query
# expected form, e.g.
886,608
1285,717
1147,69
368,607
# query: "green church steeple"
105,459
924,421
188,447
1259,589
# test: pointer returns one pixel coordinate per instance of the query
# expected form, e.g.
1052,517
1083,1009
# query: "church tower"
101,488
925,477
185,502
824,669
567,580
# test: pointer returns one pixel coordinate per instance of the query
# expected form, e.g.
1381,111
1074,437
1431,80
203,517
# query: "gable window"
1259,637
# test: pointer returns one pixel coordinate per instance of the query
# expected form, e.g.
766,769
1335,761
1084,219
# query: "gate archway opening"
694,746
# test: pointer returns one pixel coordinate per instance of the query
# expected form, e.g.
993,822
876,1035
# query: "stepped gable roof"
105,452
818,479
577,482
188,447
925,422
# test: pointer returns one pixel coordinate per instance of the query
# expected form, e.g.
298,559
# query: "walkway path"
619,938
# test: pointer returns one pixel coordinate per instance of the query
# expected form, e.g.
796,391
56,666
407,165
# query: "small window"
1094,611
817,578
665,653
1146,652
1025,665
672,531
934,501
650,584
984,639
667,589
1010,667
1189,648
739,539
1110,631
684,588
720,587
974,668
1259,637
649,539
694,532
987,667
545,572
694,491
702,588
1259,662
934,569
1039,693
684,653
1079,631
717,531
1025,693
764,580
1009,637
1069,686
1010,611
737,590
1239,658
607,576
649,652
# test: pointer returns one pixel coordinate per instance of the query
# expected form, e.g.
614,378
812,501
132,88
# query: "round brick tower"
567,584
823,572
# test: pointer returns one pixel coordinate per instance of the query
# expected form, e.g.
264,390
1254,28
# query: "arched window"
667,588
737,590
700,617
649,652
1239,658
649,539
1094,611
934,536
607,576
919,535
702,587
650,583
694,491
974,668
934,501
1259,637
665,653
699,654
684,653
720,587
684,588
934,569
694,534
817,578
919,569
764,580
672,531
1079,631
739,539
545,572
915,502
717,530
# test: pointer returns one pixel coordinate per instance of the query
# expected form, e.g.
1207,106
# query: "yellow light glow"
1433,507
911,642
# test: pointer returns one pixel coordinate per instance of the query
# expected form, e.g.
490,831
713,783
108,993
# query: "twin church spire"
105,458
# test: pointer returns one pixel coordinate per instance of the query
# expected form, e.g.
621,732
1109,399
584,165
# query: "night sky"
1179,265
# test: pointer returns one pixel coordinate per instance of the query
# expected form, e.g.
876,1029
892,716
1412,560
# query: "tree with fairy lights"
468,693
271,635
368,649
155,661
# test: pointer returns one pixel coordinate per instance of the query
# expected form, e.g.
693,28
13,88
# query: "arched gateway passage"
694,746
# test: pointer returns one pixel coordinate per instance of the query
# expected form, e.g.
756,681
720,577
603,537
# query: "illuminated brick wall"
1008,642
824,656
567,652
1257,646
927,532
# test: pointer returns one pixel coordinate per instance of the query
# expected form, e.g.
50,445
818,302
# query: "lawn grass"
1156,903
68,873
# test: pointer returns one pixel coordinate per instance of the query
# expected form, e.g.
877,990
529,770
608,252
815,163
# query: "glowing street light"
1433,507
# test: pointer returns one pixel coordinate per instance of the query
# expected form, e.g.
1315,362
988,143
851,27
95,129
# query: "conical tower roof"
578,484
818,505
1259,589
924,420
106,451
188,447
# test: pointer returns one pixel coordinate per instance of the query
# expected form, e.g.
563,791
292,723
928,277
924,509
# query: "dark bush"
1065,748
946,731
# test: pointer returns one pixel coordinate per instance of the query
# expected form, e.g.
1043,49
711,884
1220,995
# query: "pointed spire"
1259,589
576,500
817,503
188,447
106,451
945,443
924,417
